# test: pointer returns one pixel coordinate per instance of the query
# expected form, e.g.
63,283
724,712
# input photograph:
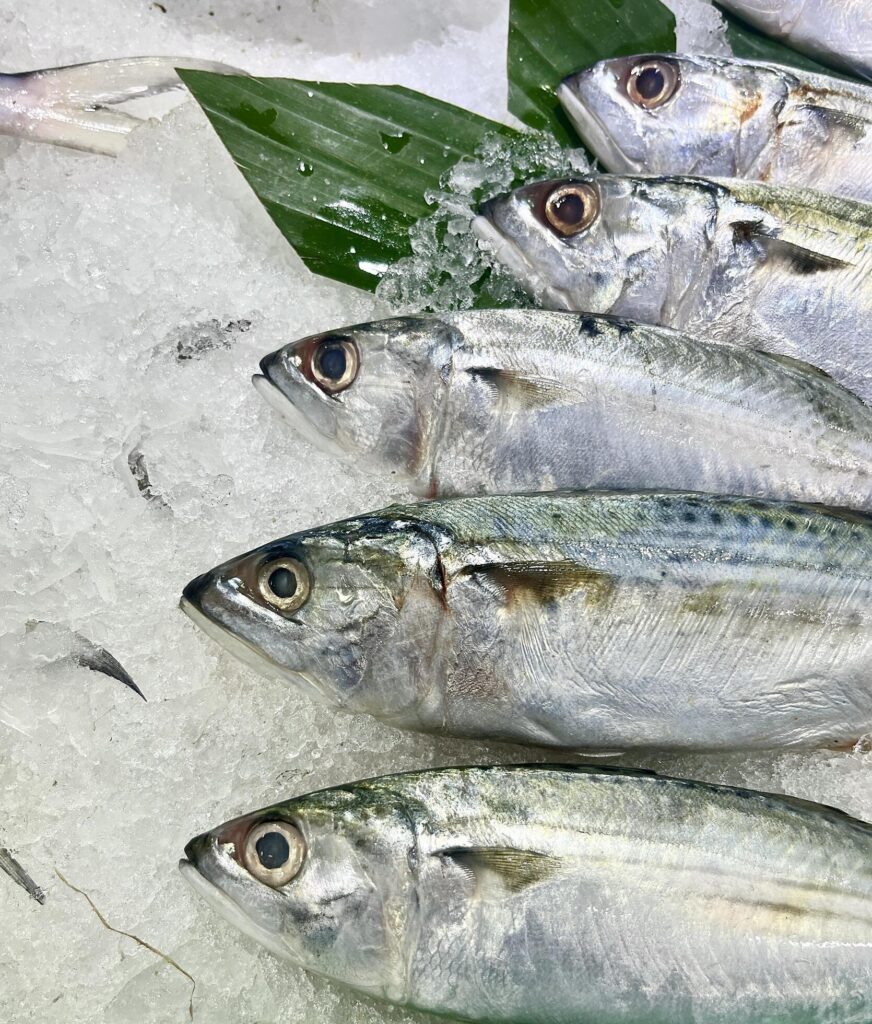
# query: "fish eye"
334,365
572,207
652,82
284,583
274,852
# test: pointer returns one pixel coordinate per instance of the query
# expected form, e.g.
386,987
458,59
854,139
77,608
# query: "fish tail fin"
75,106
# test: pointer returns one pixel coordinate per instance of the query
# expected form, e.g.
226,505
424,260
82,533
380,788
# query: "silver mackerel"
510,400
601,620
738,262
724,117
549,895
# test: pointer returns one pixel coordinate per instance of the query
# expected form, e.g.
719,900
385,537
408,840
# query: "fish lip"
592,130
265,383
508,252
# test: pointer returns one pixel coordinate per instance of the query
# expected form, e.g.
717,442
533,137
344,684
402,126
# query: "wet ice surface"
136,298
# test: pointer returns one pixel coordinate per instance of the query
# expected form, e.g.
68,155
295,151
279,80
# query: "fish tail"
75,106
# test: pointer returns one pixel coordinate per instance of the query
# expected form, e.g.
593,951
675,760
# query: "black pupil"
332,361
570,209
283,583
273,850
649,83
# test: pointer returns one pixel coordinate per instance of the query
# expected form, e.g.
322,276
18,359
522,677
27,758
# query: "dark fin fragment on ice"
139,471
514,870
89,655
544,582
17,873
526,391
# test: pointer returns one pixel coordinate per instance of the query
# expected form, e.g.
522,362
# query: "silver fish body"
550,895
738,262
725,117
593,621
495,401
839,32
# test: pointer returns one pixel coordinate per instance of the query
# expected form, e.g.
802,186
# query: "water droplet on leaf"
393,142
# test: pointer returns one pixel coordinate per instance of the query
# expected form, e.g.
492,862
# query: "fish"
784,270
505,400
838,32
596,621
78,106
724,117
557,895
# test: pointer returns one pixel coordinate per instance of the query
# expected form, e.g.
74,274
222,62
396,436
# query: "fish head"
371,392
320,609
665,113
322,881
601,243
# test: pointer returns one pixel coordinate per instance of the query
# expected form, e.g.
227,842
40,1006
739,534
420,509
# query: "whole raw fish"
490,401
77,106
679,114
600,620
558,895
839,32
738,262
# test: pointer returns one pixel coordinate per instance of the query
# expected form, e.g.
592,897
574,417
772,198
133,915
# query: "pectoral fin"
501,868
803,256
523,390
544,582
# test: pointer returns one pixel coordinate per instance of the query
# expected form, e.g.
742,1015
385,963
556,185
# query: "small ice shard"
78,106
17,873
60,644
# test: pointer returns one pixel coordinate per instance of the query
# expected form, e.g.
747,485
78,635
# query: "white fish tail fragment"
78,106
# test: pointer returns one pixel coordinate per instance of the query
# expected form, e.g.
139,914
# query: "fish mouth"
279,398
507,251
589,126
227,908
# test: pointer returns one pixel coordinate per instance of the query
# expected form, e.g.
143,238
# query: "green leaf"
748,43
341,169
549,39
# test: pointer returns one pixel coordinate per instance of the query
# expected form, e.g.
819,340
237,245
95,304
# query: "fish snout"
270,365
197,847
194,591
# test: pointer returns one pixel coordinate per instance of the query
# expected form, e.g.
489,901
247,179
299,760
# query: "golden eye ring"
572,207
284,583
274,852
334,364
653,82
